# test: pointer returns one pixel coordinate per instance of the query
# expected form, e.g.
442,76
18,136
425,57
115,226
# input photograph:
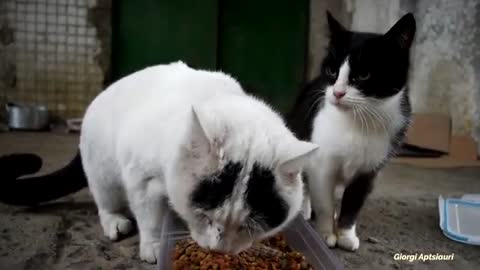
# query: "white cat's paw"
149,251
329,238
306,213
115,225
348,240
324,229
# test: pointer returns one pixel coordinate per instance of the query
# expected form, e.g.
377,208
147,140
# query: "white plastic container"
300,236
460,218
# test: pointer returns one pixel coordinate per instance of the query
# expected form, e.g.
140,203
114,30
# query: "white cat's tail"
38,189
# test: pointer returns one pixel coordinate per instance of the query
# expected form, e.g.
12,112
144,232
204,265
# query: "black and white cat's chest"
349,144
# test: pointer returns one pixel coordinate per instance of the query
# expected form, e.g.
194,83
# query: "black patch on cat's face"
378,69
214,189
266,205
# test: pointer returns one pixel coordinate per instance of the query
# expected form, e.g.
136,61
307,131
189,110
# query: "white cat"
224,160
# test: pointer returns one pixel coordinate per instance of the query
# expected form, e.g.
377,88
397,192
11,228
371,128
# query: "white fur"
154,133
348,239
350,142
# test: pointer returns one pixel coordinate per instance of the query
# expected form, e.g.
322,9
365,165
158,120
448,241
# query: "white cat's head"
227,204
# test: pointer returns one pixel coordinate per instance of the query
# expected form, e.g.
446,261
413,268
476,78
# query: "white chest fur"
354,143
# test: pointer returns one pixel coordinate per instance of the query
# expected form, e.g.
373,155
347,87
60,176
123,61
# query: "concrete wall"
54,52
445,71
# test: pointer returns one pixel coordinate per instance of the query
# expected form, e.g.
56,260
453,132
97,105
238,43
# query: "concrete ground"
400,217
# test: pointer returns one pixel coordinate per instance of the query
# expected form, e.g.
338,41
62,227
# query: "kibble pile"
276,255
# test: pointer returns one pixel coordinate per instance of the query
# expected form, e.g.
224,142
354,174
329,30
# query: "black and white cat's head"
227,204
364,69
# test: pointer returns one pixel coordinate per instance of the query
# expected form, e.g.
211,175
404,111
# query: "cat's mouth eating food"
273,253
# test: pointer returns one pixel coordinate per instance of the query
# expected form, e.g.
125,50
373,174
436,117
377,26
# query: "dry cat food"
271,254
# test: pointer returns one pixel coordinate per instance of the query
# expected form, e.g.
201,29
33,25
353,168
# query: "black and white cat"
225,161
357,110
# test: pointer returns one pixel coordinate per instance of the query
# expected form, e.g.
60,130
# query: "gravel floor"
399,217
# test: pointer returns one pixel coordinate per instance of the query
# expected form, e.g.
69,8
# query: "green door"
149,32
261,43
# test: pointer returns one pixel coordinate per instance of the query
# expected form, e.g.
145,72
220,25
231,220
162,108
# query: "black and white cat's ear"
298,156
334,26
403,32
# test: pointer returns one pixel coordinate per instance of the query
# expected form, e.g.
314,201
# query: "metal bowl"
27,117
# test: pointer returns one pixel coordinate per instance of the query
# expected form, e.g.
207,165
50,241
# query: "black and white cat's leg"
110,200
321,183
145,196
353,199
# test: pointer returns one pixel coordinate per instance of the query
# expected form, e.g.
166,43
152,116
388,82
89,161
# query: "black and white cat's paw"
115,225
347,239
149,251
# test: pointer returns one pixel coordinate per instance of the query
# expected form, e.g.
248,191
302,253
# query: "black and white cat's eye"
330,72
364,76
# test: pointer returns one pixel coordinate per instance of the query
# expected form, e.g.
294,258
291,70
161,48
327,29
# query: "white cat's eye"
330,72
209,221
206,218
363,77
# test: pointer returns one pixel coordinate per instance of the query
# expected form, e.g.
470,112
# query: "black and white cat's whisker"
368,115
366,118
378,118
361,118
354,112
317,99
369,109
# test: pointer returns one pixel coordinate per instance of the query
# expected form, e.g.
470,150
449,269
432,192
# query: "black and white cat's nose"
339,94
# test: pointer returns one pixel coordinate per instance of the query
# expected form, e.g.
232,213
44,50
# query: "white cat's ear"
202,153
299,154
200,141
403,32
